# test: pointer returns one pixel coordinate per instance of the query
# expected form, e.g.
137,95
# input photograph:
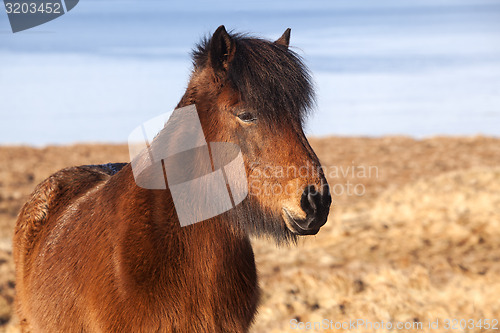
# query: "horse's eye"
247,117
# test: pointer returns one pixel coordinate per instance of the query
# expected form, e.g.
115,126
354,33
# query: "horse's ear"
284,40
221,49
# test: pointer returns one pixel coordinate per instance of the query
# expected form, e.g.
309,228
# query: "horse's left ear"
284,40
221,49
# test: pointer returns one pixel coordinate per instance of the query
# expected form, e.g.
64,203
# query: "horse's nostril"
312,197
316,204
308,201
311,200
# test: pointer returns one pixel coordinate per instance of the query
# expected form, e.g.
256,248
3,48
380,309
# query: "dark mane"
261,68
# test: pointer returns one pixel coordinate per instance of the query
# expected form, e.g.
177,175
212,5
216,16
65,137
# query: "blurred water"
386,67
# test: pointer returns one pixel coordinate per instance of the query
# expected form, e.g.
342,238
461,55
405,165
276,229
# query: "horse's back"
54,194
39,217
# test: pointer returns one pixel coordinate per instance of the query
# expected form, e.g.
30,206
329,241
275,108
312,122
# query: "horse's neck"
205,270
155,246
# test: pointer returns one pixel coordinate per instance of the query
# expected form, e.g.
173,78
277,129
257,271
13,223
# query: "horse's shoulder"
58,191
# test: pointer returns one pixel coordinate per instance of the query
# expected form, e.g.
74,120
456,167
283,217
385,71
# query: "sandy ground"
413,236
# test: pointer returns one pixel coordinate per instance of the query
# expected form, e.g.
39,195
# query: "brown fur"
96,253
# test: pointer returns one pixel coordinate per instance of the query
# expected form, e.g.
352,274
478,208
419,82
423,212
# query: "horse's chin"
275,228
262,223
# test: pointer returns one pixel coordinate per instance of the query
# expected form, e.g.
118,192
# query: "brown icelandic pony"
94,252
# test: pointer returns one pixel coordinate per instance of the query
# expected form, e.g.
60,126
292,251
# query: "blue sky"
417,68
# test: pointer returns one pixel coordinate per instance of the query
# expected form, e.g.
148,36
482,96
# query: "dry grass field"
413,235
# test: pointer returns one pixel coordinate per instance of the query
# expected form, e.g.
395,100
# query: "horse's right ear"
221,49
284,40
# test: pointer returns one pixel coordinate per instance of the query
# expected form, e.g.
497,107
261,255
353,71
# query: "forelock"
268,77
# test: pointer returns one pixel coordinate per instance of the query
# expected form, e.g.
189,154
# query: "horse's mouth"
294,225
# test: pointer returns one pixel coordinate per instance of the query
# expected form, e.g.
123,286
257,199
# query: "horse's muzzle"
316,205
